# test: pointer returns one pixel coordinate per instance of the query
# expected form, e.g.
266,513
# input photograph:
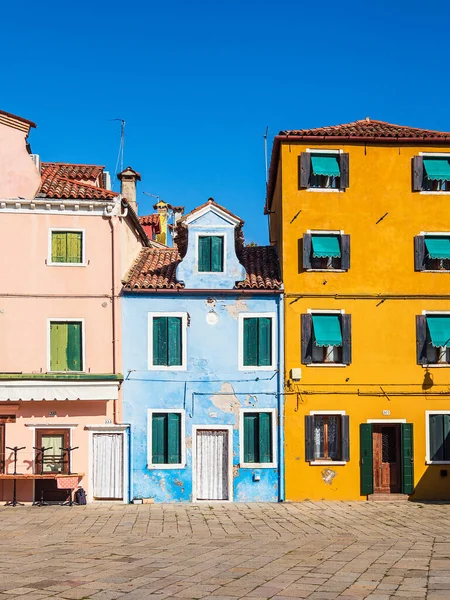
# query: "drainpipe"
113,307
280,314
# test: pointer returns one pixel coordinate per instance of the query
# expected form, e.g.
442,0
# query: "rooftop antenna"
265,153
119,161
152,195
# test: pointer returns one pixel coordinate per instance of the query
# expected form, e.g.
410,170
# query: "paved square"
315,550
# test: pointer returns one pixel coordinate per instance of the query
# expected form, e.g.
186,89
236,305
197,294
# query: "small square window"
210,253
166,438
66,346
325,171
432,253
327,437
167,341
258,436
67,247
257,332
326,251
433,339
326,338
436,174
439,437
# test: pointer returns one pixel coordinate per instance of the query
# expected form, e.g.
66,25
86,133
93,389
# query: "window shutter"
406,431
345,252
436,437
366,460
216,254
204,254
309,438
419,253
417,173
306,321
250,437
346,324
74,346
160,352
74,247
251,342
59,246
174,341
304,169
264,341
159,438
265,438
58,346
173,438
307,249
345,438
421,339
345,173
446,437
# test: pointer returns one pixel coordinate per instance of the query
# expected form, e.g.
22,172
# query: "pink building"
68,241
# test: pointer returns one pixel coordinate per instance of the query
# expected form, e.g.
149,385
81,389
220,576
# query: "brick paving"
315,550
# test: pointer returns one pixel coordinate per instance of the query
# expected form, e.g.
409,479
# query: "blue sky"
198,82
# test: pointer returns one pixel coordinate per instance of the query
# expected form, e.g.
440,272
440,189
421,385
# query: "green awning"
326,246
439,327
437,168
327,330
438,247
325,165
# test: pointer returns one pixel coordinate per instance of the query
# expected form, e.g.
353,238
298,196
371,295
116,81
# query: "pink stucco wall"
19,176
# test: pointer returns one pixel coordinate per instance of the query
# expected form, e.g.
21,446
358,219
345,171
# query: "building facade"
202,365
360,216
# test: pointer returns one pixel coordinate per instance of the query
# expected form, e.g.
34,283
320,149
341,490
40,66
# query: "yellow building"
360,214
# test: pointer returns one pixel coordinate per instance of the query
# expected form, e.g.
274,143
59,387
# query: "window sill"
163,368
436,271
326,190
66,372
253,368
258,465
435,193
322,463
166,467
52,264
326,270
436,366
327,365
437,462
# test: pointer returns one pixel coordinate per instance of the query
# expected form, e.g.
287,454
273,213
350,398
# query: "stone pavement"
314,550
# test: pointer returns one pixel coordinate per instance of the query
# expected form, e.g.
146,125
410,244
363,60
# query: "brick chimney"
128,179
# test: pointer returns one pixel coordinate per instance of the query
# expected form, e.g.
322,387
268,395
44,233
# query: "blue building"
203,360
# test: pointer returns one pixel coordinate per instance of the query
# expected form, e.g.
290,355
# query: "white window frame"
83,342
340,233
437,234
321,462
435,155
150,413
273,463
208,233
428,460
183,366
83,246
321,151
436,365
322,311
255,315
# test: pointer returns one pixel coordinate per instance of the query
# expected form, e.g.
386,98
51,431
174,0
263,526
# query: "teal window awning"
438,246
325,165
326,246
437,168
327,330
439,328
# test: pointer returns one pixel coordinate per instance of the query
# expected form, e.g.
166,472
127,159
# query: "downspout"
113,309
280,314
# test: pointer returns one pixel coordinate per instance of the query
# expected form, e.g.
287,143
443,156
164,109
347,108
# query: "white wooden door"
108,466
212,464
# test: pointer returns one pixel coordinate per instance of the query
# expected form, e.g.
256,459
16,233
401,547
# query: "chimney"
178,212
163,212
128,179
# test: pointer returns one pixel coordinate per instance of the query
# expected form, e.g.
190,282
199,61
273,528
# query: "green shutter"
264,341
216,254
59,246
174,341
250,437
173,438
74,247
58,346
446,437
251,342
204,254
265,438
436,437
406,430
366,460
74,347
159,450
160,341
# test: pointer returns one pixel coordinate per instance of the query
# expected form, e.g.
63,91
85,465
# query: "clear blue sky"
198,82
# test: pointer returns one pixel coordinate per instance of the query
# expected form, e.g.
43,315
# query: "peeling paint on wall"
236,307
227,401
328,475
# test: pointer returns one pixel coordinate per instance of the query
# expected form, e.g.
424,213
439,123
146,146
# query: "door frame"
230,430
120,429
400,454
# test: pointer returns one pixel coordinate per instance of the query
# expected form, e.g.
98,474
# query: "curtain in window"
319,437
108,466
212,465
333,441
54,456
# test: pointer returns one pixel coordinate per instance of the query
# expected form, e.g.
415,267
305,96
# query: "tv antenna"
119,161
265,153
152,195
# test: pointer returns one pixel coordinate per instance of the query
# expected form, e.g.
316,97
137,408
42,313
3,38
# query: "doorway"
52,460
386,458
212,464
108,466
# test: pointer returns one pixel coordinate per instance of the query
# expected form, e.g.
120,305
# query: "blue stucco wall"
212,390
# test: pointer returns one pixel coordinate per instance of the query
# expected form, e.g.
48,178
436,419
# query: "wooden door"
386,459
212,464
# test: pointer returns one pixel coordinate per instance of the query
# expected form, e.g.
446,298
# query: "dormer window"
210,253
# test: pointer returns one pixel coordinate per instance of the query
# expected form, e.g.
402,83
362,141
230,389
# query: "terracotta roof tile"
64,180
149,219
155,268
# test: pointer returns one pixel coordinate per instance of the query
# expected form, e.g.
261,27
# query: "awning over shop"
326,246
438,247
327,330
439,328
437,168
325,165
44,390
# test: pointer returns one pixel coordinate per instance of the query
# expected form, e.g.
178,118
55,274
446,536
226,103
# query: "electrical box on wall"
296,374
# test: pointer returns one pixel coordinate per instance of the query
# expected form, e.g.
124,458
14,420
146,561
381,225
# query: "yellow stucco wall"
383,333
